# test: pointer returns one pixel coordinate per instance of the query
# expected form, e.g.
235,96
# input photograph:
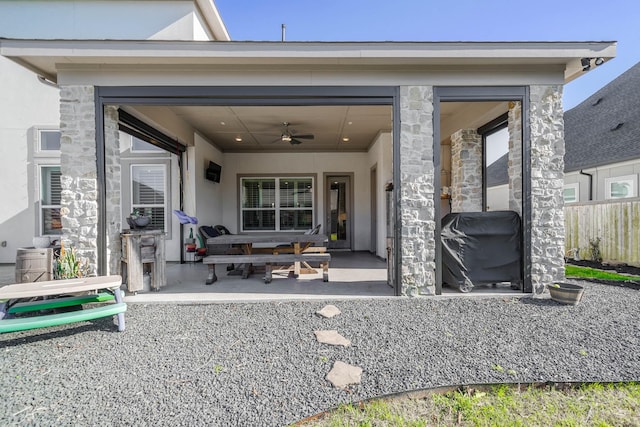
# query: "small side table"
140,247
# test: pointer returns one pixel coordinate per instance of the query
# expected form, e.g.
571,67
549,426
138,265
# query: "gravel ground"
259,364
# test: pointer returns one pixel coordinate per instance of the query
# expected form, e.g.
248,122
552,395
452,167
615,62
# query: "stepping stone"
342,374
328,311
331,337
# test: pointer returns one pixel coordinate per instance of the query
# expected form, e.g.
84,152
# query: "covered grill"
481,247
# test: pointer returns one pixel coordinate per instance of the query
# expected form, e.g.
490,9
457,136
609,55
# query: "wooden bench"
269,260
85,290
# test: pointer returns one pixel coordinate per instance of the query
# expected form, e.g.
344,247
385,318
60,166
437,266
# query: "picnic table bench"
83,291
269,260
297,250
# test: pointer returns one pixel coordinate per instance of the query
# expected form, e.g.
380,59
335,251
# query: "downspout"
590,183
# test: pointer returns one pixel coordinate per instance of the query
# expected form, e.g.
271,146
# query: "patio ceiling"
259,128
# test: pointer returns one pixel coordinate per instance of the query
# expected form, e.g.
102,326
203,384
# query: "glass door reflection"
338,212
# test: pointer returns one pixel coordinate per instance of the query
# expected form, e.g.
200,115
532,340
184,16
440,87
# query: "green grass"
592,273
585,405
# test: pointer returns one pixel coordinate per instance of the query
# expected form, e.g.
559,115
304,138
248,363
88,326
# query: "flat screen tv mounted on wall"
212,173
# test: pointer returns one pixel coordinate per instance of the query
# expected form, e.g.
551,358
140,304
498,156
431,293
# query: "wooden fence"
615,223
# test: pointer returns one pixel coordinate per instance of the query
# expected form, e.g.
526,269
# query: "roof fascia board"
445,50
210,13
207,75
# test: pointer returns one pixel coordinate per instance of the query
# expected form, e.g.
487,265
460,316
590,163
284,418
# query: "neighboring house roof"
605,128
497,172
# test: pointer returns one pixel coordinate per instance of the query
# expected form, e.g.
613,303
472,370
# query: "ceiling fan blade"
307,136
295,141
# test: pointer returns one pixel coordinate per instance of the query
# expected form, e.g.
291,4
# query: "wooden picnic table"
82,290
299,244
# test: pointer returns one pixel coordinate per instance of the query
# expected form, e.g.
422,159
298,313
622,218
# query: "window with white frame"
48,141
149,192
276,203
571,193
50,192
621,187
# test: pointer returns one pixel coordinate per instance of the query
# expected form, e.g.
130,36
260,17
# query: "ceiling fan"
288,135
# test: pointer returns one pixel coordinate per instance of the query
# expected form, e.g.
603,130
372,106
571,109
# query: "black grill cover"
481,247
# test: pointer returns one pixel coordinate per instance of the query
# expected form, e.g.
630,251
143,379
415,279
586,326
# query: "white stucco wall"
381,155
209,200
19,115
498,198
102,20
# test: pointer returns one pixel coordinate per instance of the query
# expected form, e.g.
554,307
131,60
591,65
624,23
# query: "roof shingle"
605,128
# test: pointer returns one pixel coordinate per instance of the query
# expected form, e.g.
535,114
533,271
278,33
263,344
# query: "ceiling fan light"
286,138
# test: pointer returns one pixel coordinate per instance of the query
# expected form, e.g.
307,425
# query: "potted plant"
68,265
566,293
137,219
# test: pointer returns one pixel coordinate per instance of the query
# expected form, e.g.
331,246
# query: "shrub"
68,265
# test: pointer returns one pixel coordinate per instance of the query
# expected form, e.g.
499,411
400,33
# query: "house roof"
497,172
46,57
605,128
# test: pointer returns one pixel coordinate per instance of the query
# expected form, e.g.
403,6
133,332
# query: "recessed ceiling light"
238,139
345,139
222,123
350,123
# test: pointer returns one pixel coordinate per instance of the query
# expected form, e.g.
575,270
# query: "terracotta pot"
566,293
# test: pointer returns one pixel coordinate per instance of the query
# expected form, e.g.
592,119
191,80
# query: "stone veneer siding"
466,171
79,205
416,198
113,178
515,157
547,179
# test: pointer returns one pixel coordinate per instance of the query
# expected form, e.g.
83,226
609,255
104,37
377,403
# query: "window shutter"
148,192
148,185
56,187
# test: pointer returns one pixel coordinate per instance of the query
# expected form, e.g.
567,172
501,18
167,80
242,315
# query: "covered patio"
425,108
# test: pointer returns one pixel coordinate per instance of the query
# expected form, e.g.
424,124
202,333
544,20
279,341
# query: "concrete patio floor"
351,275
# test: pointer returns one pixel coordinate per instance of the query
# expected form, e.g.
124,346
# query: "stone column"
547,179
466,171
79,206
113,179
515,157
417,209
